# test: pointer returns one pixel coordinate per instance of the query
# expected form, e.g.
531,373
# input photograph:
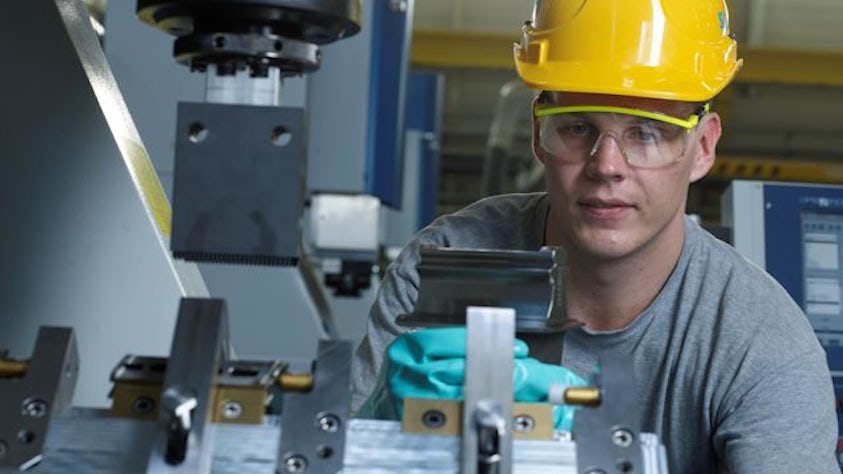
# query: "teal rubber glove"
430,363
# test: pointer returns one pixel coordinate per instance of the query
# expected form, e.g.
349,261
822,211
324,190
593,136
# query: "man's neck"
609,294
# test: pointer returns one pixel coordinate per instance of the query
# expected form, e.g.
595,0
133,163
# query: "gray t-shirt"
728,370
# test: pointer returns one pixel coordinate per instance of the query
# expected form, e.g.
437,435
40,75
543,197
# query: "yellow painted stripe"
773,169
446,49
148,186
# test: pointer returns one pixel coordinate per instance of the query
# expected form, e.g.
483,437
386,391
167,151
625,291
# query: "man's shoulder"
743,301
507,221
505,204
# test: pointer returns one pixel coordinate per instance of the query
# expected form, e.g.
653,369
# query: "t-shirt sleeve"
396,296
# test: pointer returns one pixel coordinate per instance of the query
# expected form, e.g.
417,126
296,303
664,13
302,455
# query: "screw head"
231,410
34,407
328,423
622,437
295,463
524,424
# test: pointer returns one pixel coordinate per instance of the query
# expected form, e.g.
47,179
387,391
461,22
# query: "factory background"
421,111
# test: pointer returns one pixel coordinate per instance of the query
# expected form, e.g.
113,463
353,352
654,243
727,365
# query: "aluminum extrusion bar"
451,280
92,442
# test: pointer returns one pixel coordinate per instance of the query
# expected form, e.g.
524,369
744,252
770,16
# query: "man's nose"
606,156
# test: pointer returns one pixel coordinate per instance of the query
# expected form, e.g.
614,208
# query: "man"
729,373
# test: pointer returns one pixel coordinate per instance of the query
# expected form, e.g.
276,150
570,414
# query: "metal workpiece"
314,423
29,400
238,186
608,436
487,409
182,440
255,35
451,280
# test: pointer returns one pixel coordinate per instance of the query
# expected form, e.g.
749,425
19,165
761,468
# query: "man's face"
601,206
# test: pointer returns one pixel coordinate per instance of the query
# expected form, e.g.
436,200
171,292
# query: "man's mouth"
605,203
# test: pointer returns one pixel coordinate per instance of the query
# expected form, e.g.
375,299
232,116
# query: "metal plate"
238,183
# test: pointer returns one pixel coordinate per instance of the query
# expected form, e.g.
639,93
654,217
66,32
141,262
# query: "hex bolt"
622,437
596,471
524,424
434,419
295,463
231,410
328,423
35,408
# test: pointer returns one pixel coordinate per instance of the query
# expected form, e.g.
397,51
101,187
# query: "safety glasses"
646,139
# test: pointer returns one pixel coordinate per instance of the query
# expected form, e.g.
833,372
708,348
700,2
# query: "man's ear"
707,136
537,151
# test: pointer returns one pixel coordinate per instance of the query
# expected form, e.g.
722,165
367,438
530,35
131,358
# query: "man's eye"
644,134
579,129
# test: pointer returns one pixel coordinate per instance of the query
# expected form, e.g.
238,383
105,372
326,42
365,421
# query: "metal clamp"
182,440
487,411
313,424
608,436
33,392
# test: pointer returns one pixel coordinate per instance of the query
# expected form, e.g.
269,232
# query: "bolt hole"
197,132
219,42
278,45
625,466
26,436
433,419
281,136
143,405
324,452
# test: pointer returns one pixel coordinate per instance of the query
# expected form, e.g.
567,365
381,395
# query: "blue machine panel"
423,112
804,252
803,226
391,23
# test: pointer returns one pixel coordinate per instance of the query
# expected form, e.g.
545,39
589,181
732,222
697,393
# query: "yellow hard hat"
663,49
